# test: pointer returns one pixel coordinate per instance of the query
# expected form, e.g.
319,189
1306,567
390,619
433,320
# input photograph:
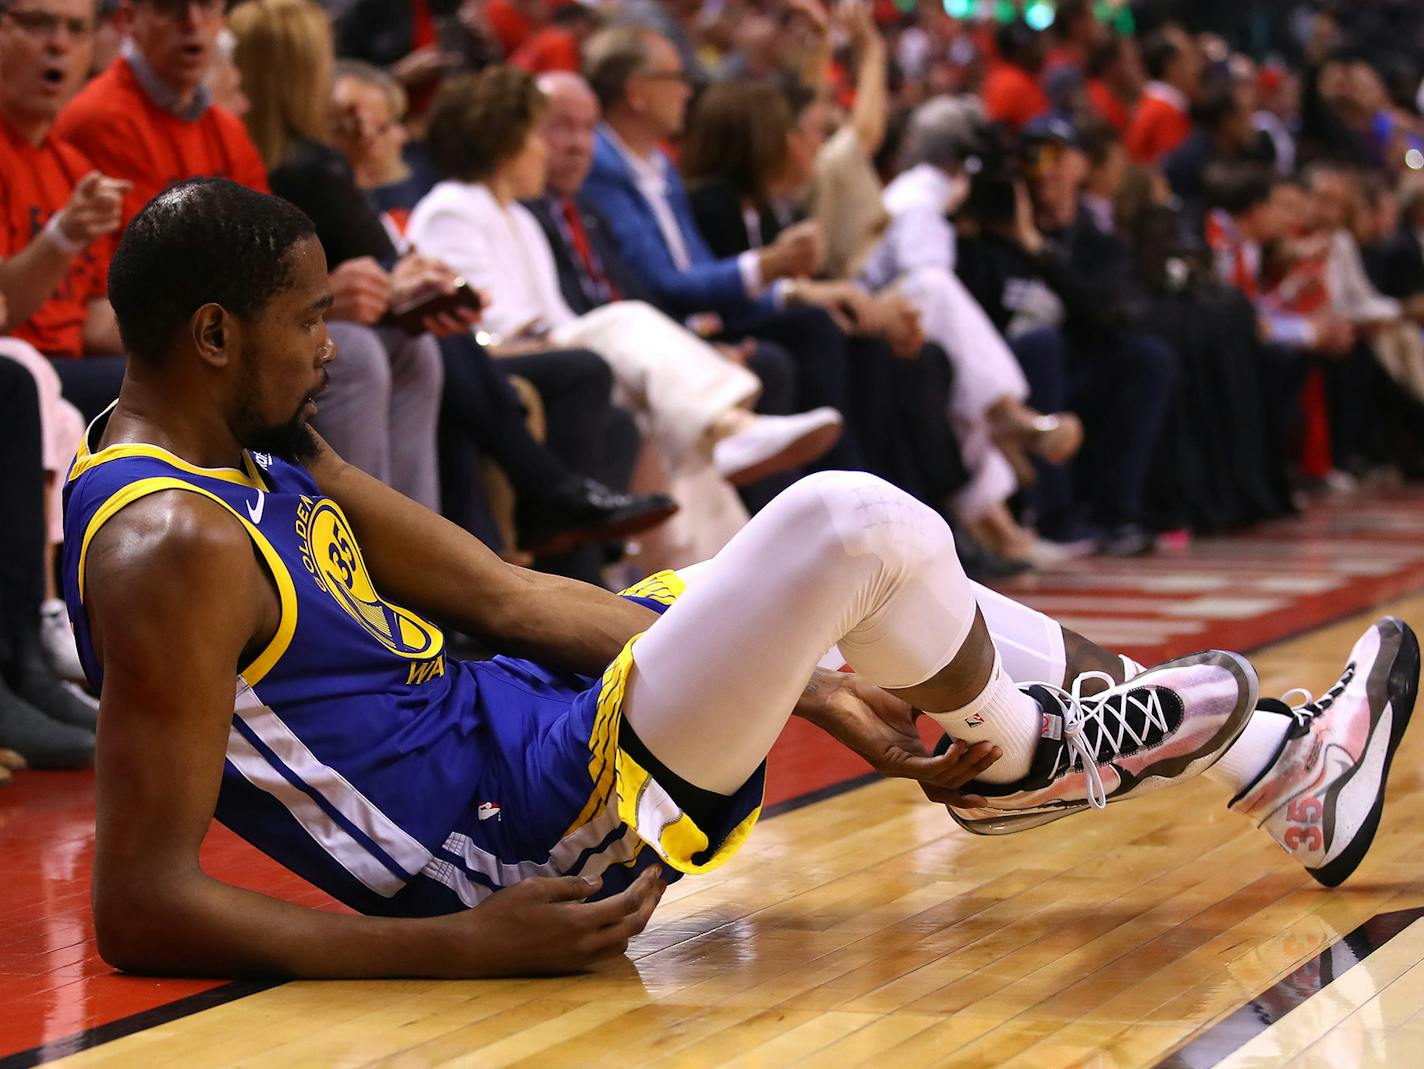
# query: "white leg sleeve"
1030,644
662,369
839,558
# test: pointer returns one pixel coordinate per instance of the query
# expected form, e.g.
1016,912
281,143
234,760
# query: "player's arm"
425,562
176,599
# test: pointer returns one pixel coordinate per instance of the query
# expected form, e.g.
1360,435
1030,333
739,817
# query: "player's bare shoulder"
181,557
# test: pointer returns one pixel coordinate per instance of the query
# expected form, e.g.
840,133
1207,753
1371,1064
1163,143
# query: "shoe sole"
1402,687
1246,677
565,541
810,446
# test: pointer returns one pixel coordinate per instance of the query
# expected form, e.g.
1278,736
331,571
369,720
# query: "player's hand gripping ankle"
546,925
881,728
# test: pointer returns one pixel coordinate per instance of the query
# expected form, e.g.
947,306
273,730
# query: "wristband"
55,235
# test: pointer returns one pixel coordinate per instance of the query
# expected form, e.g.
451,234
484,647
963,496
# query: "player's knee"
867,517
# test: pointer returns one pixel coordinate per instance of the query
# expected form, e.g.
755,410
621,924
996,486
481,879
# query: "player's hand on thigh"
881,728
546,925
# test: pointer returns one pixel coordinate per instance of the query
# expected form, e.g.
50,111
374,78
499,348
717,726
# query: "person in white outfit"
485,136
899,239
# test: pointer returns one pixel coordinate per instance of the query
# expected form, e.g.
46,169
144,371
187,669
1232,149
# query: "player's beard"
291,440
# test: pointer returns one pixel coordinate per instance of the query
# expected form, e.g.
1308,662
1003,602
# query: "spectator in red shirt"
1012,95
1162,120
149,117
557,46
57,212
1115,79
1076,33
513,21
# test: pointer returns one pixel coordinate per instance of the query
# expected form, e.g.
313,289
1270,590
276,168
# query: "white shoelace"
1310,707
1075,717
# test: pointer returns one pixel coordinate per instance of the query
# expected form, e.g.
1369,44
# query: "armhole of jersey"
260,665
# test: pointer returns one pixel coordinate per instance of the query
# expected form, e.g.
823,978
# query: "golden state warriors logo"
331,555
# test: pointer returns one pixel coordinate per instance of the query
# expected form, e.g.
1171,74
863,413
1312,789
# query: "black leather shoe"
982,564
41,741
1127,540
584,510
38,686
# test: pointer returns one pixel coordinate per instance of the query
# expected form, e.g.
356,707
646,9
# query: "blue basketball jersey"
361,756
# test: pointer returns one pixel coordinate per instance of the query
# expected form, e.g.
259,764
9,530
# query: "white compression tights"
840,558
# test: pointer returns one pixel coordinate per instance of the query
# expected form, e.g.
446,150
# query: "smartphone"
411,317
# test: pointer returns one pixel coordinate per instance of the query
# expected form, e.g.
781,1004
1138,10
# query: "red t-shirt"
1158,126
1012,96
1107,105
35,182
549,49
509,25
115,124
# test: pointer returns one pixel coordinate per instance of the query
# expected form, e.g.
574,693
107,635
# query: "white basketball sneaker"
1322,796
1163,726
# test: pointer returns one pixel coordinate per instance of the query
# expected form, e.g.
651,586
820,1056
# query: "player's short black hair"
200,241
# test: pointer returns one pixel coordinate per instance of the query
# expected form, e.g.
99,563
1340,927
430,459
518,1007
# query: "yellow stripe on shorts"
618,779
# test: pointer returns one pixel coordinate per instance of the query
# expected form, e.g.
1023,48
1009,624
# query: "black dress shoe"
37,685
584,510
982,564
1127,540
41,741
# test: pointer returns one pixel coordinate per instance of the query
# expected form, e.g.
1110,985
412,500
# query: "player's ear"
215,335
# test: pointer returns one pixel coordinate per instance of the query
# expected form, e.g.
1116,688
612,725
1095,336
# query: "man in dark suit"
1397,268
591,271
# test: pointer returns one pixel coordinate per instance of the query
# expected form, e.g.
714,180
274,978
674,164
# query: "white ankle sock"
1001,714
1130,667
1252,752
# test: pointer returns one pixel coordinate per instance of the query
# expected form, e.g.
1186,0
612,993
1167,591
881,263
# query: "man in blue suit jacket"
639,80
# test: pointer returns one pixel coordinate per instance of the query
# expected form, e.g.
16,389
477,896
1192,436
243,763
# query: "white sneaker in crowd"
776,443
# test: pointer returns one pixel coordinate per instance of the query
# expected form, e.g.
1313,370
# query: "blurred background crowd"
1084,276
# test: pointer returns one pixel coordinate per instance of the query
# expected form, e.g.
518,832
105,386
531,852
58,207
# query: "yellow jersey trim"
85,461
286,590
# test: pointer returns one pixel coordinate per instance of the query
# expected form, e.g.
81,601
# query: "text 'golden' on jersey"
333,559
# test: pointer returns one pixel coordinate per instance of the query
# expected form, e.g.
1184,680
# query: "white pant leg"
1399,347
985,372
61,428
661,369
417,377
991,477
354,411
985,368
840,558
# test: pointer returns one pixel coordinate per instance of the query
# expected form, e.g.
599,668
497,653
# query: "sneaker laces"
1310,707
1114,717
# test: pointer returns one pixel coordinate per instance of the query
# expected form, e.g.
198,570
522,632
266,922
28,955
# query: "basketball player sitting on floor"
252,668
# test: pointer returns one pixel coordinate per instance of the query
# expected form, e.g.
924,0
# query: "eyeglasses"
43,24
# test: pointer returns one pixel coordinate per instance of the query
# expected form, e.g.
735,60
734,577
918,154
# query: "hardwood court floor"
867,930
